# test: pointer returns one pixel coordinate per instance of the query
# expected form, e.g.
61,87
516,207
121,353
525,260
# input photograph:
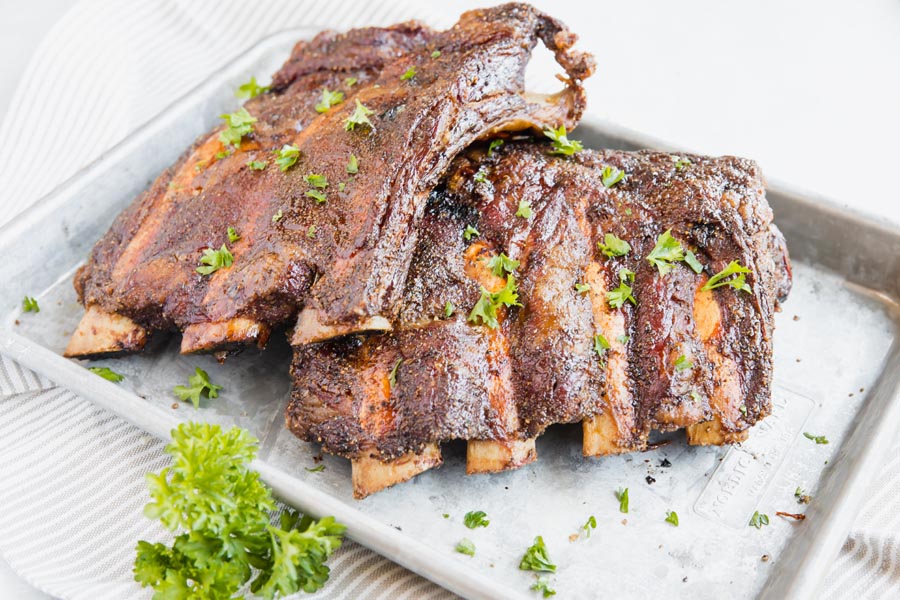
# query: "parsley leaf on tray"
536,558
476,518
199,385
30,304
107,374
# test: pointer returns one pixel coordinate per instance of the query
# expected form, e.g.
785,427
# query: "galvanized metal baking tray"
837,373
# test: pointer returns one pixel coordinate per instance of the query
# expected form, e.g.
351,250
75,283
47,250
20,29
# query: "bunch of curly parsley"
223,510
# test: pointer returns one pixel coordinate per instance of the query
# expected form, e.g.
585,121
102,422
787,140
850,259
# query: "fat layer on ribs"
387,400
342,261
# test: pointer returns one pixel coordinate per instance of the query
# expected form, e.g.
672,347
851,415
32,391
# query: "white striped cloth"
73,485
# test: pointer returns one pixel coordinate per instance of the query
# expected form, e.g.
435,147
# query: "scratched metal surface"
836,374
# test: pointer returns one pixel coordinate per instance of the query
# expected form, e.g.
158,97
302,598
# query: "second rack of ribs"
437,376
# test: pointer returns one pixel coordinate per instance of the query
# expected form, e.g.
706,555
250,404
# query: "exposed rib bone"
489,456
207,337
610,431
492,456
311,329
726,397
103,334
372,474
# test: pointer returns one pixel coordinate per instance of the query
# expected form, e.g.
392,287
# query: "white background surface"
809,89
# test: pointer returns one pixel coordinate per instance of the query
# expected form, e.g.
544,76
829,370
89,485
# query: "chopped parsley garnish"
287,156
311,232
409,74
589,525
251,89
536,558
446,515
695,396
623,339
316,180
199,385
610,176
743,409
691,259
257,165
480,176
672,517
801,496
466,546
476,518
622,294
738,283
317,469
360,116
601,345
223,154
502,263
543,585
353,165
107,374
682,363
213,260
667,251
220,513
328,99
318,196
240,123
30,304
562,144
613,245
470,232
341,186
485,310
524,210
392,378
682,163
350,81
493,146
581,288
758,520
448,309
233,235
436,54
819,439
622,497
277,216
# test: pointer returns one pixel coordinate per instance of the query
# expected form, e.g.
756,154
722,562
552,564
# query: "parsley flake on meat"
328,99
561,143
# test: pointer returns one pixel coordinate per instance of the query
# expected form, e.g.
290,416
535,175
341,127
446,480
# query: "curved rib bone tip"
310,328
102,333
489,456
209,337
371,474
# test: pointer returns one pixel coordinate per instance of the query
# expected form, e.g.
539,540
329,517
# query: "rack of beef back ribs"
371,119
562,350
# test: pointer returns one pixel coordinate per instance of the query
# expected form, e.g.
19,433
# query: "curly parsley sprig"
221,513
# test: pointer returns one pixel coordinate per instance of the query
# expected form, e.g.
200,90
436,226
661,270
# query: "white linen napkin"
73,474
